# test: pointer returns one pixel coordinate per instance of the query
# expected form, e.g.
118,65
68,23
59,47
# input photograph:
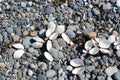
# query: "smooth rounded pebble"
18,53
88,45
117,75
94,51
60,29
78,70
37,45
66,38
111,70
111,38
56,44
51,28
49,45
61,42
70,33
118,3
2,65
50,73
118,53
48,56
38,39
70,68
104,43
41,77
30,72
53,36
76,62
18,46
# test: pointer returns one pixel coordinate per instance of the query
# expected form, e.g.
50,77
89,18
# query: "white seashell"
76,62
37,45
89,44
104,43
78,70
18,53
18,46
94,51
111,38
48,56
70,68
49,45
118,3
105,51
66,38
60,29
38,39
53,36
111,70
51,28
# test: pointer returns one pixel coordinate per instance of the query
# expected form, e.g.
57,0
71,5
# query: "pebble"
23,4
104,43
60,29
55,44
25,33
92,34
37,45
118,53
2,65
76,62
61,42
34,33
10,30
107,6
16,65
32,66
1,38
90,68
94,51
88,45
70,68
49,45
18,53
43,66
105,51
70,33
109,78
38,39
117,75
65,37
111,38
53,36
50,73
96,11
100,78
49,10
41,77
16,38
111,70
78,70
48,56
30,72
118,3
18,46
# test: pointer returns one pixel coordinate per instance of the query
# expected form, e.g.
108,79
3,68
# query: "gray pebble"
43,67
9,30
16,65
96,11
100,78
49,10
26,42
61,42
23,4
70,33
50,73
32,66
18,31
55,44
41,77
90,68
117,75
107,6
1,38
118,53
57,66
29,55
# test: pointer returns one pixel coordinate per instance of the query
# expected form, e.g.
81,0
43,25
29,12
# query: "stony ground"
59,39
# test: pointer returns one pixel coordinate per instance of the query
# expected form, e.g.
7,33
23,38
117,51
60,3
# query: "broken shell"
66,38
37,45
104,43
60,29
18,46
48,56
89,44
18,53
49,45
53,36
51,28
94,50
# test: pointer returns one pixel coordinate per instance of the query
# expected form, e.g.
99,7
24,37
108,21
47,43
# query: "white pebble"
105,51
78,70
111,38
94,51
88,45
37,45
104,43
66,38
70,68
48,56
18,53
18,46
53,36
76,62
49,45
38,39
118,3
60,29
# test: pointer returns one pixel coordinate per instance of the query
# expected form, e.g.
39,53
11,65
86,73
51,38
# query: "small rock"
109,78
105,51
78,70
70,68
107,6
61,42
16,65
60,29
90,68
23,14
48,56
66,38
115,33
23,4
118,3
18,53
37,45
30,72
34,33
41,77
16,38
43,66
18,46
49,45
76,62
70,33
1,38
111,38
117,75
61,78
56,44
25,33
38,39
32,66
118,53
94,51
92,34
96,11
104,43
49,10
88,45
100,78
53,36
2,65
9,30
50,73
111,70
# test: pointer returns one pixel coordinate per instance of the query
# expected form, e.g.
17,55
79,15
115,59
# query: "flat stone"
9,30
70,33
94,51
96,11
111,70
76,62
104,43
37,45
18,53
90,68
30,72
50,73
2,65
34,33
107,6
43,66
118,3
78,70
48,56
117,75
100,77
1,38
25,33
89,44
18,46
61,42
32,66
111,38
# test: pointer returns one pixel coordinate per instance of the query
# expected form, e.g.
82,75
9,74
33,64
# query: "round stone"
18,53
111,38
16,65
118,53
70,33
50,73
30,72
104,43
49,10
94,51
16,38
76,62
34,33
48,56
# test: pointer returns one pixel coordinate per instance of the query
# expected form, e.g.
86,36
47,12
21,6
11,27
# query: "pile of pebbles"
60,40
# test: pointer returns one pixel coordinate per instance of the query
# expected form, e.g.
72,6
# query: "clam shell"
38,39
104,43
76,62
18,46
18,53
66,38
37,45
51,28
53,36
48,56
78,70
94,51
89,44
49,45
60,29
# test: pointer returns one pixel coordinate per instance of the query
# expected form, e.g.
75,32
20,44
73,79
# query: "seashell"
37,45
89,44
56,44
61,42
18,53
49,45
66,38
48,56
70,33
38,39
51,28
53,36
111,38
104,43
76,62
60,29
105,51
78,70
94,51
18,46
